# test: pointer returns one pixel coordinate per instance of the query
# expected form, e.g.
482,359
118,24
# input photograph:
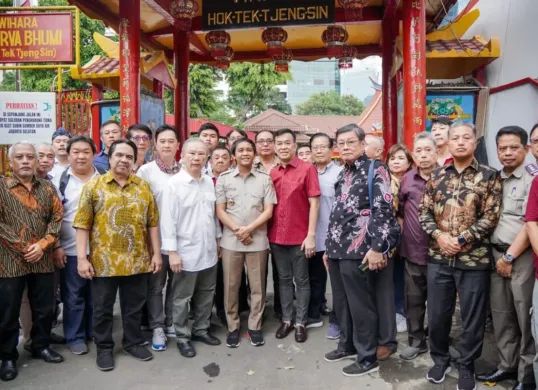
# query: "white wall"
515,22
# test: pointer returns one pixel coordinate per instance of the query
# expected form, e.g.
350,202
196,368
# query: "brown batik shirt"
26,218
464,204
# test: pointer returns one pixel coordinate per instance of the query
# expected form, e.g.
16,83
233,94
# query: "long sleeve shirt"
26,218
189,224
354,228
466,204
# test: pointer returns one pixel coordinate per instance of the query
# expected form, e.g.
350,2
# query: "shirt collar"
327,167
518,172
13,181
474,165
294,162
109,178
102,153
358,162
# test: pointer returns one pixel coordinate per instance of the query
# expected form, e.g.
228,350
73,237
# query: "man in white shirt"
157,173
76,291
191,233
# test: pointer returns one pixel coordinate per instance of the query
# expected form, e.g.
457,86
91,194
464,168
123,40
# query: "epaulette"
226,172
532,169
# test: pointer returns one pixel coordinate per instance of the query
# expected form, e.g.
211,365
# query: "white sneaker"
158,343
401,323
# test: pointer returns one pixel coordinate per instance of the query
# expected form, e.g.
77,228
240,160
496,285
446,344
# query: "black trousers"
472,288
133,295
41,295
383,284
355,308
416,295
318,283
277,306
219,291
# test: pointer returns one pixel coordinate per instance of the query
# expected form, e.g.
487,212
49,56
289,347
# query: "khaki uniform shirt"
245,199
516,188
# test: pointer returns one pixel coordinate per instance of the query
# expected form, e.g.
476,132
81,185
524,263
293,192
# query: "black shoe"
186,349
284,330
466,379
360,369
234,339
139,353
325,310
336,356
48,355
277,316
105,360
8,370
256,337
56,339
524,386
206,339
496,376
301,335
437,373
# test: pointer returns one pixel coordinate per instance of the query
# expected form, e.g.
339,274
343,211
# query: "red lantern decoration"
184,11
334,37
348,55
274,38
223,62
354,8
218,41
282,60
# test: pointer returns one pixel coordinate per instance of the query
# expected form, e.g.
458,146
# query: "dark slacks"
383,284
277,307
472,288
399,285
41,296
416,295
318,283
159,309
133,295
355,307
78,304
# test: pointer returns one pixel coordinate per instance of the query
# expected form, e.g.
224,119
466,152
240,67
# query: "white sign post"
27,116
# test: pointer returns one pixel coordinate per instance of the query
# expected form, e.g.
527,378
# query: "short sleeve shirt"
118,219
532,215
245,199
294,184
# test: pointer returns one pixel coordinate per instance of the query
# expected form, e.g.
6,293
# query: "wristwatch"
509,258
461,241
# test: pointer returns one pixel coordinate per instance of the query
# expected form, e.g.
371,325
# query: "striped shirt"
27,217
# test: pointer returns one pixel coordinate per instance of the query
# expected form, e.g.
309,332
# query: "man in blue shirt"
110,131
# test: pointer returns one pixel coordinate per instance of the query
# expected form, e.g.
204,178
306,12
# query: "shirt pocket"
514,204
257,200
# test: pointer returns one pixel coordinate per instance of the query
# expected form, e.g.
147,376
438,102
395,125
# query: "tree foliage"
331,103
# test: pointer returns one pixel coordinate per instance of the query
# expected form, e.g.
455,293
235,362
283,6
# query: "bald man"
374,147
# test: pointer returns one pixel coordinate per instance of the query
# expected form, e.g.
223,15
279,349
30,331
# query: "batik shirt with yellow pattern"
118,219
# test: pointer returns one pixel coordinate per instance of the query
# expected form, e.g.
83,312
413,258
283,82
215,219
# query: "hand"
59,257
326,261
247,241
34,253
219,249
448,244
309,246
176,264
242,232
376,260
85,269
503,268
156,262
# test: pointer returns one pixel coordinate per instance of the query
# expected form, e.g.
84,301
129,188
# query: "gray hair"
47,145
424,136
191,141
460,123
378,139
12,148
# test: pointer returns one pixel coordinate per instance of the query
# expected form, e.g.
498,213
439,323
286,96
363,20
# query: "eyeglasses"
320,148
350,142
265,141
139,138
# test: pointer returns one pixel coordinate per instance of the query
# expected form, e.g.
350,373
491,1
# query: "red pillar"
390,99
158,88
97,94
129,63
181,93
414,68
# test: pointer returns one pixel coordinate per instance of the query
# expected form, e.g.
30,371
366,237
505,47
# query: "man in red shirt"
292,230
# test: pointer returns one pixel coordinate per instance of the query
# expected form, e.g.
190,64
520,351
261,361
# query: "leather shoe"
56,338
496,376
206,339
186,349
300,334
524,386
48,355
8,370
284,330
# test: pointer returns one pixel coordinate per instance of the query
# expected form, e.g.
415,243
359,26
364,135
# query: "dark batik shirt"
467,204
26,218
353,227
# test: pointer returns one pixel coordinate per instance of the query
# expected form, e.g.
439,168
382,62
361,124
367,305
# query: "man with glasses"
512,281
110,131
534,146
142,136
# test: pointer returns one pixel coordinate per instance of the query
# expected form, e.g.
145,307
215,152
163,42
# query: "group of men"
118,221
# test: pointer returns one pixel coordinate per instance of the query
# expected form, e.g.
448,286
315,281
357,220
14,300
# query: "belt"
501,248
